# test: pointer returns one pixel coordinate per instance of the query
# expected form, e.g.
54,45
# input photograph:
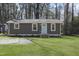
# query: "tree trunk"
47,11
29,11
37,11
56,11
66,7
72,18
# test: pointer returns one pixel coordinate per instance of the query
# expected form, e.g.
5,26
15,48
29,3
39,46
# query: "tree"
47,10
66,17
56,11
59,11
37,11
72,18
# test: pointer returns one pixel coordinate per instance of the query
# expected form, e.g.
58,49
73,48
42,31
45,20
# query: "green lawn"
66,45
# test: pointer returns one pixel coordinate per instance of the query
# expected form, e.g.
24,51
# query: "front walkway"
14,41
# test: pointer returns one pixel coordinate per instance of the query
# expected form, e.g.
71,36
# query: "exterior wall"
26,28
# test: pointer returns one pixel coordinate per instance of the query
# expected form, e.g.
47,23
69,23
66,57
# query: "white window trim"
54,27
36,27
60,28
15,26
8,28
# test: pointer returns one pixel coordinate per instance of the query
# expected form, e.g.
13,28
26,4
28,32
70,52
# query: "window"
16,25
34,27
53,27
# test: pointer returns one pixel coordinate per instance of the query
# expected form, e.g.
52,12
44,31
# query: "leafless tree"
66,17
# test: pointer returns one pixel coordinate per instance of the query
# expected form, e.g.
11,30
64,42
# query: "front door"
44,28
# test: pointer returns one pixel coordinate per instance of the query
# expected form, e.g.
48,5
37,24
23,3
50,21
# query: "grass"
61,46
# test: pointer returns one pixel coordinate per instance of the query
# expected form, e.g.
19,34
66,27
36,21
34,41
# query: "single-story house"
34,27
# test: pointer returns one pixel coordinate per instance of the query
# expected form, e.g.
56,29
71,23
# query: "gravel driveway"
15,41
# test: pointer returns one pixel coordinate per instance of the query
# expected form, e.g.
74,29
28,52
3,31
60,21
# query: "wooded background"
60,11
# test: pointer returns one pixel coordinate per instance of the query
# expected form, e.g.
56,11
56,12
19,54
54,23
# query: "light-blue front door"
44,28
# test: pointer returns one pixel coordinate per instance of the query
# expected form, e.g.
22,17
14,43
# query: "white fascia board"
37,21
